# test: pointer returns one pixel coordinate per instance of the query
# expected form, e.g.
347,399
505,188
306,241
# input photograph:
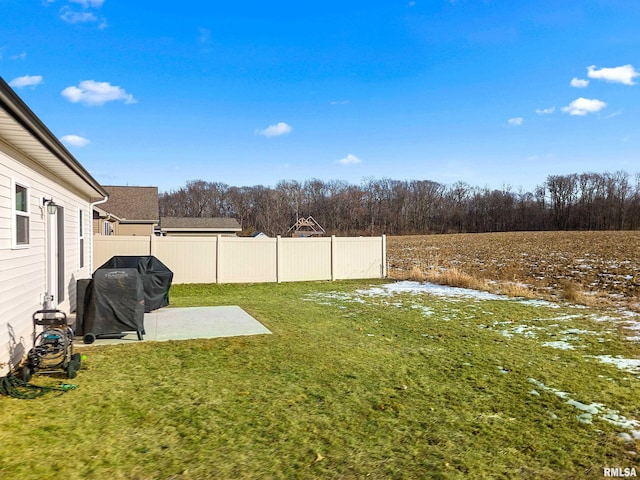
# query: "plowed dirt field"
602,265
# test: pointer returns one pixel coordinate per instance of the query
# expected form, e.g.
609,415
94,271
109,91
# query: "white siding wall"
23,271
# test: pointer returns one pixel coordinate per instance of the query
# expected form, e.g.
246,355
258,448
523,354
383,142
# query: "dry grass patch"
513,289
574,293
450,276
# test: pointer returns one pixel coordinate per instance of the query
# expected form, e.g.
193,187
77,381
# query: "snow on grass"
627,364
593,410
632,322
418,288
564,331
560,344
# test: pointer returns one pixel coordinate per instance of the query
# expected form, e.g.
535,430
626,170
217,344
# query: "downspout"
99,202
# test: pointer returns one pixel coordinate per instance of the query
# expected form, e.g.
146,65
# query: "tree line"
586,201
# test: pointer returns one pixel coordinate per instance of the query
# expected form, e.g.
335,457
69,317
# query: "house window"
107,229
81,236
21,216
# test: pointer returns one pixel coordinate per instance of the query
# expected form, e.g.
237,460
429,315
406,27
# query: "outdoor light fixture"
52,208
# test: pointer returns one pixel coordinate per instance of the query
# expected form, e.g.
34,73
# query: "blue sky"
488,92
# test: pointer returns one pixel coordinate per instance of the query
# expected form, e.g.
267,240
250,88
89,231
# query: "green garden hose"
16,388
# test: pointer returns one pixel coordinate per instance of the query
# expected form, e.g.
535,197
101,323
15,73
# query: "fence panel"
105,247
191,259
247,260
301,259
361,257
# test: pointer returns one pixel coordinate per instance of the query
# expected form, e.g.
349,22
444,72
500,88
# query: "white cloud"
614,114
90,92
20,56
349,160
546,111
75,140
339,102
276,130
26,81
579,83
70,16
516,122
582,106
89,3
624,74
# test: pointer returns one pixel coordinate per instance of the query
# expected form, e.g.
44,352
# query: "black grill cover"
115,303
156,278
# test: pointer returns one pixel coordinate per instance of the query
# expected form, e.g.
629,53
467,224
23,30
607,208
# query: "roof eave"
23,116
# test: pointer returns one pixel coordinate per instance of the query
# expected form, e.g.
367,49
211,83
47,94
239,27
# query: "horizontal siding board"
23,270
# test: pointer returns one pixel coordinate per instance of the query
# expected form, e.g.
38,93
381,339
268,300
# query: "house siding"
22,270
134,229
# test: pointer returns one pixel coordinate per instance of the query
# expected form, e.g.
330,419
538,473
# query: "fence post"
384,256
333,257
278,258
218,258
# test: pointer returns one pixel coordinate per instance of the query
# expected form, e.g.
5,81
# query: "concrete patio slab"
190,323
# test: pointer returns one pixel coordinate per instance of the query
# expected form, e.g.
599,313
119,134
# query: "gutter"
93,204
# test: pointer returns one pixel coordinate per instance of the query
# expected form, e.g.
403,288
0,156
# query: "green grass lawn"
356,381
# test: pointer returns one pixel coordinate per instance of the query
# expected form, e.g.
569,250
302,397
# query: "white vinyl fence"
248,260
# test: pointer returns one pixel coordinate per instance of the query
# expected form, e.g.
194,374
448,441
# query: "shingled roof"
132,204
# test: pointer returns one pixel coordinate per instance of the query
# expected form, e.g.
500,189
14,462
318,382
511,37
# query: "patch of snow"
559,344
585,418
577,331
628,364
592,409
419,288
426,311
625,436
597,410
540,303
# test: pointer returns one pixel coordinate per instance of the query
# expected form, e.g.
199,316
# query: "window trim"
15,213
81,238
107,228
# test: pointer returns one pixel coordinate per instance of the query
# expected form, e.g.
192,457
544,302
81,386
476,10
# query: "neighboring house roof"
132,204
199,224
22,129
306,227
104,214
